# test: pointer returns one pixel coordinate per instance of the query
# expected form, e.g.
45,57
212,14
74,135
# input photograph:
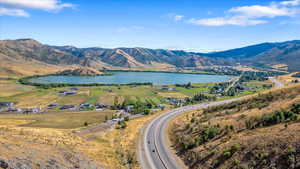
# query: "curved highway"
154,152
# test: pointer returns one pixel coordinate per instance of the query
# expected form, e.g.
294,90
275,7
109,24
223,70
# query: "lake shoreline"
121,78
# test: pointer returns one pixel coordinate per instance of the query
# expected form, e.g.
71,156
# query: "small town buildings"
6,104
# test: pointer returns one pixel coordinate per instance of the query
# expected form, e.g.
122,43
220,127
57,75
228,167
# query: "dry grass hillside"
23,147
16,67
81,71
258,132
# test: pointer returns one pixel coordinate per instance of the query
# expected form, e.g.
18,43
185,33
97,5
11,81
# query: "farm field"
59,120
29,97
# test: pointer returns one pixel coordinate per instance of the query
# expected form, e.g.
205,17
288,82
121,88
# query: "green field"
35,97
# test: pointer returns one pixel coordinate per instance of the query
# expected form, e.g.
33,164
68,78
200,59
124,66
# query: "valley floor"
34,136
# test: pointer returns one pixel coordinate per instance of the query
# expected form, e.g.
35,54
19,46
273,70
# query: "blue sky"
192,25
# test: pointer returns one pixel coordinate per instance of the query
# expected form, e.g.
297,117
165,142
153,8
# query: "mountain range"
28,56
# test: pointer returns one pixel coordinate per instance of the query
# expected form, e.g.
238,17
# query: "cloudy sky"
193,25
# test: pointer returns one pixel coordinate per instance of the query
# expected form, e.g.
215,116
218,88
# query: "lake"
157,78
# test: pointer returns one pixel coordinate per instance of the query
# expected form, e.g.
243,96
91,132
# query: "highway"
154,151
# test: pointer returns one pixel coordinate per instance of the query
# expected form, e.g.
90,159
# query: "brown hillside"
260,132
82,71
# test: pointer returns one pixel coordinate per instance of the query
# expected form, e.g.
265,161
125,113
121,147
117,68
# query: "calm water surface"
156,78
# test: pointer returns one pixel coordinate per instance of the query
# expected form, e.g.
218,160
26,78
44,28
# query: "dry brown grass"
117,146
10,88
273,139
287,79
38,145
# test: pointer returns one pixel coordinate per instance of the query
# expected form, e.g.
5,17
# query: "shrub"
121,125
296,108
126,118
227,154
249,124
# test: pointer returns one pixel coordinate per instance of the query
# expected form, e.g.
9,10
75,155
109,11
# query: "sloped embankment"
259,132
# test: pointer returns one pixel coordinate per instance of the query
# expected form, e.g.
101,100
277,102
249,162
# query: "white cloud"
221,21
251,15
38,4
178,17
257,11
13,12
291,3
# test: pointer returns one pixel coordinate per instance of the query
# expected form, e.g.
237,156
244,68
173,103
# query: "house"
70,92
14,110
100,106
85,106
164,88
62,92
32,111
52,106
160,106
167,88
175,101
129,108
67,107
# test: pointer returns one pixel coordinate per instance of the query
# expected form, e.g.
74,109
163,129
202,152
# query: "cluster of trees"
275,118
199,97
233,91
234,72
138,105
187,86
219,88
27,81
260,76
204,134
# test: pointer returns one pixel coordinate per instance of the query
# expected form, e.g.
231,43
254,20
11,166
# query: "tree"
116,102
